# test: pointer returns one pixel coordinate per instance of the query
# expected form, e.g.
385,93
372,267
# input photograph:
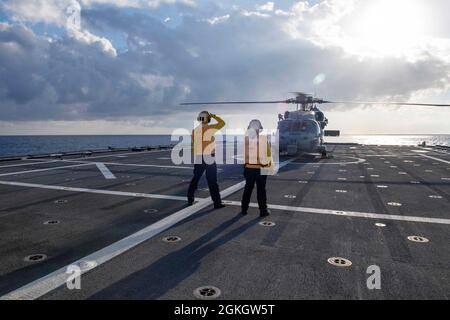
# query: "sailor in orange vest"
258,156
203,149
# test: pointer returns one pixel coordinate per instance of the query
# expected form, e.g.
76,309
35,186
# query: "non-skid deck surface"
113,211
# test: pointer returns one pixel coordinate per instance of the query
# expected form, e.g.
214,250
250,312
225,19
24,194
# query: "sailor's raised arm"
220,123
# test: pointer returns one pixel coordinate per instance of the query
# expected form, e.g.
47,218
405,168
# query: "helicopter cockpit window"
320,116
311,127
306,127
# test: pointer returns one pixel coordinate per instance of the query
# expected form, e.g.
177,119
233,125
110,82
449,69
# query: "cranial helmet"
204,117
255,125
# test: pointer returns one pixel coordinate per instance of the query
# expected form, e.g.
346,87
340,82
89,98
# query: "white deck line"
97,191
46,169
358,160
433,150
44,285
135,165
349,213
120,154
86,163
28,164
105,171
43,161
434,158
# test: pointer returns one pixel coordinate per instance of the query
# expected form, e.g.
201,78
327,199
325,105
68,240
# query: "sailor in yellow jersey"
203,149
258,157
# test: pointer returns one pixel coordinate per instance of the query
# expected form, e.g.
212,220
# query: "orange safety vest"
253,159
203,142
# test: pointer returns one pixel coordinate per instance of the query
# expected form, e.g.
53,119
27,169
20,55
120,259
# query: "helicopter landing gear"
327,155
324,153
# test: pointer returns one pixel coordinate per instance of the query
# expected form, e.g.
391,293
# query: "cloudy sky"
123,66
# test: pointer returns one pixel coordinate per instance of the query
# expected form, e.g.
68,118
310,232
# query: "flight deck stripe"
437,159
434,150
44,285
27,164
98,191
135,164
43,161
86,163
45,169
349,213
105,171
121,154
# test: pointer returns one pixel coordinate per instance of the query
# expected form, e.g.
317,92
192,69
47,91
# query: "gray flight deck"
113,210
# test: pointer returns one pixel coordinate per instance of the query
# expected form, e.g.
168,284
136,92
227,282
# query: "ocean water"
27,145
410,140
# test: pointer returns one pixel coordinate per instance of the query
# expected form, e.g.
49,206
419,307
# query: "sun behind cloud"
386,27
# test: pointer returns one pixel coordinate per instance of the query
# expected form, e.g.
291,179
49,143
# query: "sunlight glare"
390,27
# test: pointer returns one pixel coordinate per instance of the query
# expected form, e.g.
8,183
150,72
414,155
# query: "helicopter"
303,130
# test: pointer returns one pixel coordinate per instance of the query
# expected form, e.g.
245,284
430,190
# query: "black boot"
264,213
244,212
190,201
219,205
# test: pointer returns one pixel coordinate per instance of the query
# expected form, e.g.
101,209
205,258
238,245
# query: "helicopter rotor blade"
390,103
231,102
301,93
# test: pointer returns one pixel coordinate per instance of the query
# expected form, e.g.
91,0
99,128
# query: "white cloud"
220,19
247,13
62,13
283,13
320,22
371,28
152,82
89,38
54,11
268,6
254,55
47,11
139,3
319,78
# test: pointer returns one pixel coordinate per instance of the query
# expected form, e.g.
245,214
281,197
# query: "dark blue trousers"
252,177
211,177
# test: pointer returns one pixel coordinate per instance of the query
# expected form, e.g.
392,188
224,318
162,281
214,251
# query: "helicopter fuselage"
302,131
